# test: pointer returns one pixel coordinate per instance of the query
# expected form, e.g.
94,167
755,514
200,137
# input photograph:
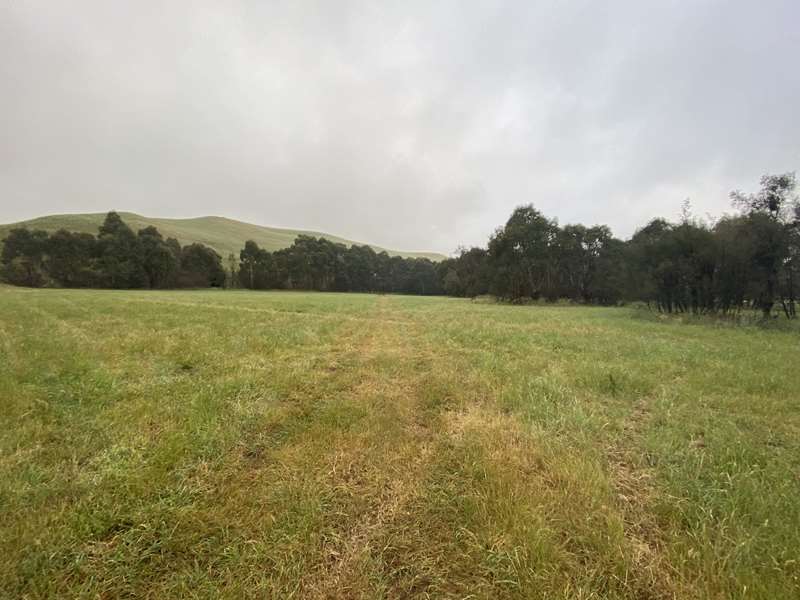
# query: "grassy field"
221,234
277,445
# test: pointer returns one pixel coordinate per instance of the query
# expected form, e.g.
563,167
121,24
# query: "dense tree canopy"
750,260
116,258
319,264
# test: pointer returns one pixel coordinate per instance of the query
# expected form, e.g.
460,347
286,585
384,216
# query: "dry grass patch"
249,445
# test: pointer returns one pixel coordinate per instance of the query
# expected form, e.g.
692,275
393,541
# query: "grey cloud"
412,125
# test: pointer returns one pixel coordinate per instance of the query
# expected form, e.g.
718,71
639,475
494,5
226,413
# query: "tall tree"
772,217
521,254
232,276
200,267
72,258
159,260
23,257
120,254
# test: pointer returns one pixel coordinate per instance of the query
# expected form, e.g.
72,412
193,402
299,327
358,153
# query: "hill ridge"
223,234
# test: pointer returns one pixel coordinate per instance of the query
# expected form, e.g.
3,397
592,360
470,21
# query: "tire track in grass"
634,489
384,482
497,493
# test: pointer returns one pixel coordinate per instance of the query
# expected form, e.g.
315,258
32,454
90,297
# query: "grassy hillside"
296,445
224,235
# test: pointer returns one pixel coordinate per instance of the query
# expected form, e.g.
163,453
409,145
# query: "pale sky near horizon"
413,125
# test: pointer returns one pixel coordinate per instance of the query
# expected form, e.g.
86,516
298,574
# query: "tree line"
312,263
115,258
750,260
746,261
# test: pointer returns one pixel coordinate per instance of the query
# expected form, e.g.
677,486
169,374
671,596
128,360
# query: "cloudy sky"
413,125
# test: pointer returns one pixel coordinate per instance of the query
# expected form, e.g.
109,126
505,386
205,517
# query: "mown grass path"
236,444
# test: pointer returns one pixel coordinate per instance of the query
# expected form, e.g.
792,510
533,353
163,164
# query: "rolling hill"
222,234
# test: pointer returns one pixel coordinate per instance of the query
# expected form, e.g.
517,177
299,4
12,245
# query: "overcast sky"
413,125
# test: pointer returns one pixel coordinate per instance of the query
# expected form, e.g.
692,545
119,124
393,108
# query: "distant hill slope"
224,235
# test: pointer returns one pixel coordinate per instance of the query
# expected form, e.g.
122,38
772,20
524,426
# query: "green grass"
224,235
275,445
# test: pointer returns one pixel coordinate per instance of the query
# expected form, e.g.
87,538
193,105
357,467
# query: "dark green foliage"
117,258
23,256
467,275
200,267
532,257
120,258
523,256
748,261
319,264
256,267
72,259
160,260
232,272
674,266
771,230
